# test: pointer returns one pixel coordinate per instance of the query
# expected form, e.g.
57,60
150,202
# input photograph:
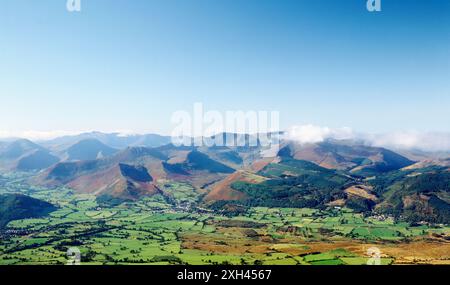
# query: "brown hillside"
222,191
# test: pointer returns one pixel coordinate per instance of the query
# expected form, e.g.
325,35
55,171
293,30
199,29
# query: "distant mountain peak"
89,149
18,148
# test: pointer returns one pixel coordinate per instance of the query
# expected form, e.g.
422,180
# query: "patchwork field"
153,231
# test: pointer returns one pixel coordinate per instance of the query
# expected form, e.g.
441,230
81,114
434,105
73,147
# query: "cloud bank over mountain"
308,133
315,134
426,141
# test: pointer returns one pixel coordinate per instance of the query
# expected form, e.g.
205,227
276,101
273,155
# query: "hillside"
38,160
16,149
422,195
223,191
199,161
135,172
412,195
24,155
224,155
89,149
291,183
359,159
15,207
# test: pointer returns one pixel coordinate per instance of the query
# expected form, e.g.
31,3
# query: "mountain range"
334,173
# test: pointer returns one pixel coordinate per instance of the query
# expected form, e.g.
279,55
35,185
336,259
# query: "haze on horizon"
128,65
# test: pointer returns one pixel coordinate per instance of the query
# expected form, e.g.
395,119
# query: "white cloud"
315,134
426,141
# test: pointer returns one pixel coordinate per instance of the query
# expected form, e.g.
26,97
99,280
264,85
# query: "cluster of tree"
304,191
422,193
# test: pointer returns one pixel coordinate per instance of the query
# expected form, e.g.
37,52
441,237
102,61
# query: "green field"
153,231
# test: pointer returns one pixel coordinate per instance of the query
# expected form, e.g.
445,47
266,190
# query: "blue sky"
129,64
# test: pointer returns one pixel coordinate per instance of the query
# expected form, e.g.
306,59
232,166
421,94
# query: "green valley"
155,231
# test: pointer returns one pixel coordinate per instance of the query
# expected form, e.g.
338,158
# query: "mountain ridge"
319,175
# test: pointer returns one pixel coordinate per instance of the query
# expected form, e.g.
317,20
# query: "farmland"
154,231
